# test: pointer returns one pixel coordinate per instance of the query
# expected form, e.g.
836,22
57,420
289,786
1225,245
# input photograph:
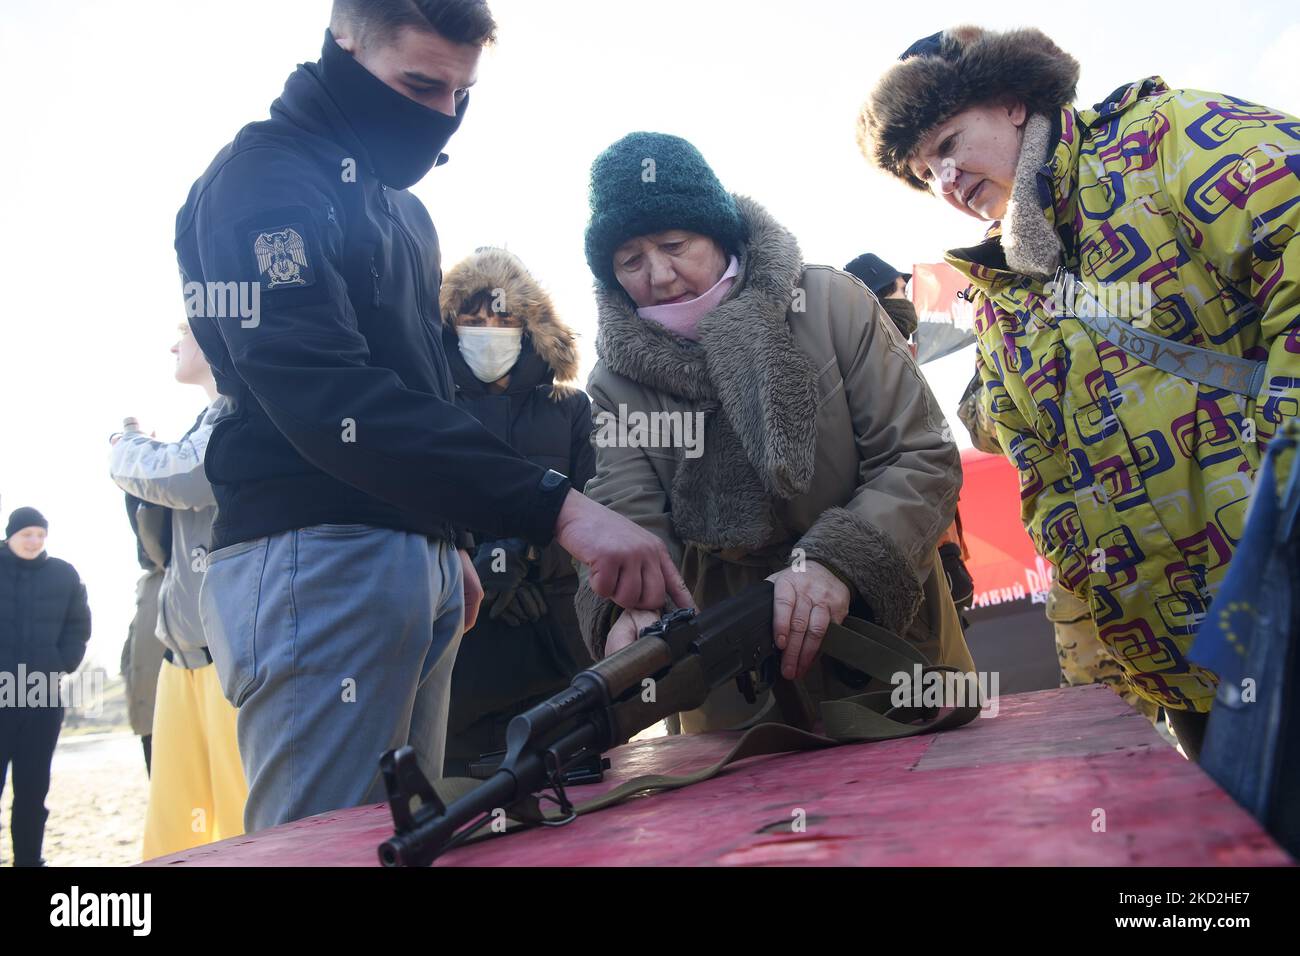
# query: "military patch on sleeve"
282,259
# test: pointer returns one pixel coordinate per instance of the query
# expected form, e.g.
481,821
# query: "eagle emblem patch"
282,258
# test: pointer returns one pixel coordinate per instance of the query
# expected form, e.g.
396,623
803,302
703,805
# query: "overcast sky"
112,109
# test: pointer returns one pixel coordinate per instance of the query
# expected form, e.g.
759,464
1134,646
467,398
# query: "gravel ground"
98,792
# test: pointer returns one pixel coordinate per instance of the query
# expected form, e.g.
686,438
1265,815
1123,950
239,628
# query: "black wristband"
552,490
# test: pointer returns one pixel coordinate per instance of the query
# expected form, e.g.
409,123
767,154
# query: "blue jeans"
336,643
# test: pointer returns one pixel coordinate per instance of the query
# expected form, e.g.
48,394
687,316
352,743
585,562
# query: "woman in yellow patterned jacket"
1137,304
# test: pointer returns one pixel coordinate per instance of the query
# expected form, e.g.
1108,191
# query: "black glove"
501,567
959,580
526,606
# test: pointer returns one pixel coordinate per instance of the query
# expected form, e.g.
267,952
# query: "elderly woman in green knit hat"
764,418
1138,316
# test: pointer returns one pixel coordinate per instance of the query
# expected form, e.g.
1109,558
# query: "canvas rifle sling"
863,718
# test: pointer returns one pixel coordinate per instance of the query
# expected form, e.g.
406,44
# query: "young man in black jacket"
44,627
335,596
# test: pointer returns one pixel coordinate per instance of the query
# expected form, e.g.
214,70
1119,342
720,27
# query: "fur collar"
1031,245
523,297
758,391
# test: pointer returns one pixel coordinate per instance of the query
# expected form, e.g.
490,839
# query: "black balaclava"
903,313
402,138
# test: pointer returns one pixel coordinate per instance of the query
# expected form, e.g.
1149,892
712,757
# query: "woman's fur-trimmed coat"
501,273
540,414
819,434
502,668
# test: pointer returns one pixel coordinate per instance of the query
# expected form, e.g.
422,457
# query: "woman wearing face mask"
509,355
802,444
1137,433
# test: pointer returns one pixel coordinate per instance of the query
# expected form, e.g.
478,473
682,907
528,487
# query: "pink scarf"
683,317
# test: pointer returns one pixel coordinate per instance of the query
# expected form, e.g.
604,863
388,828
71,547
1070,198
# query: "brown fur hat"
942,75
490,269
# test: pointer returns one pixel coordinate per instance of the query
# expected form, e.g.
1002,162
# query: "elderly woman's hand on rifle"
804,606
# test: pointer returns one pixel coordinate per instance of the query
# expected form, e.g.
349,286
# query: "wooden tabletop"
1066,777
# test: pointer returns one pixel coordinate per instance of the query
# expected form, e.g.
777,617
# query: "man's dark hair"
460,21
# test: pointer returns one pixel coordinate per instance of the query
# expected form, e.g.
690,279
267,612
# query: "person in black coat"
44,626
311,276
510,355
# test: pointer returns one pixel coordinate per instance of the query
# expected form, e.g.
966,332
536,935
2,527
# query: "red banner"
935,289
1002,562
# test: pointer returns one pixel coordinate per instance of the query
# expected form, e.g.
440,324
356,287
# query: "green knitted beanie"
651,182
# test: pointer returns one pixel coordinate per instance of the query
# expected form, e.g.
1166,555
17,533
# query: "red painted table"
1031,786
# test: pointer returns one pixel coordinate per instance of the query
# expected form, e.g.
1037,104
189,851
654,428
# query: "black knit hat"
874,272
651,182
25,518
940,75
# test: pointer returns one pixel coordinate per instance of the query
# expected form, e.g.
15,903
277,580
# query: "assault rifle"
671,667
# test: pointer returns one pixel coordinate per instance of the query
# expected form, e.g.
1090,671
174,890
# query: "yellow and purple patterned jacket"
1135,482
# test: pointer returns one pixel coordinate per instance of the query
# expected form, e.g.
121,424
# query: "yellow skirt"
197,788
